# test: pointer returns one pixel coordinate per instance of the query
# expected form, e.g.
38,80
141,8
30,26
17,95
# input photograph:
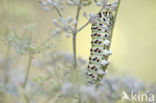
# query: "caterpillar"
101,40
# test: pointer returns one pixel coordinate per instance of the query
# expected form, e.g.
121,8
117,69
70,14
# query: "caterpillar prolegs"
101,40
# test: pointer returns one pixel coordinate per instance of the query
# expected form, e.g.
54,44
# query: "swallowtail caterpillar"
100,44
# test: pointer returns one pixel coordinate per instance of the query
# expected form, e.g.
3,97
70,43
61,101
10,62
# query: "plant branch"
74,34
83,26
77,15
58,12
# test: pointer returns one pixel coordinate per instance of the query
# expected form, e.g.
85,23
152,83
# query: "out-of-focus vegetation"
52,78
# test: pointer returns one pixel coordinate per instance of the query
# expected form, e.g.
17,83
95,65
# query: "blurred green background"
134,37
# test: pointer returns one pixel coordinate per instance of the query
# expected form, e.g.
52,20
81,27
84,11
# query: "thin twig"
58,12
83,26
77,15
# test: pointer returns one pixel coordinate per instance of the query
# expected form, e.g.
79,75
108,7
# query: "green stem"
75,33
74,44
115,16
74,51
111,34
7,67
28,70
26,98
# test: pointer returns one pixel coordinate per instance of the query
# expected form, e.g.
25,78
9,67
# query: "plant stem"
111,34
75,33
7,67
74,50
58,11
26,98
28,70
83,26
115,16
74,43
78,14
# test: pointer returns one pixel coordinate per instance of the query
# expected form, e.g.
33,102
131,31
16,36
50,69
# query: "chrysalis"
99,53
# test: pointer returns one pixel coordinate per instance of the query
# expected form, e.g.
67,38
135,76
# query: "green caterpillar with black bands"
99,52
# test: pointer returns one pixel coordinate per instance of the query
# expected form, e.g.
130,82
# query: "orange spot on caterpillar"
100,24
99,29
95,69
97,59
99,42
